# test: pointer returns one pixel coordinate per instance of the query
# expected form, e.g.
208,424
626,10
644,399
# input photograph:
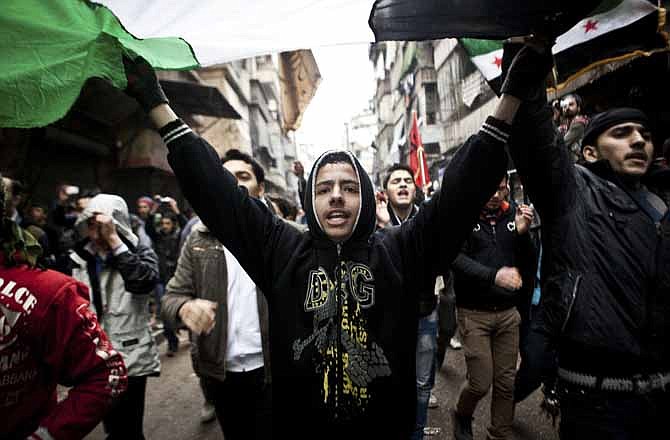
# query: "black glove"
527,72
143,84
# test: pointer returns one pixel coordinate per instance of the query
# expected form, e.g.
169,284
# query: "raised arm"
138,268
430,241
476,169
241,223
472,177
536,147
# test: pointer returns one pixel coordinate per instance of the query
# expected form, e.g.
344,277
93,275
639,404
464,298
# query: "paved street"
174,401
529,422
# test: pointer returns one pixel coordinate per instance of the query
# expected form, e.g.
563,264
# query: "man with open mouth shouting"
343,299
400,207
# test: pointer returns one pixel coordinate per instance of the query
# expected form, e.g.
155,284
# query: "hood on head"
365,221
113,206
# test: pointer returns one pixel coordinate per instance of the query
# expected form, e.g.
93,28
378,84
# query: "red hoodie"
48,336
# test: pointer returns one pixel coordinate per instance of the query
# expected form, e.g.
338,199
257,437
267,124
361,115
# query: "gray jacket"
121,288
202,273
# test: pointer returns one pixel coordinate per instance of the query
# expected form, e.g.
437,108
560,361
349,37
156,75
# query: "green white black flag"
617,30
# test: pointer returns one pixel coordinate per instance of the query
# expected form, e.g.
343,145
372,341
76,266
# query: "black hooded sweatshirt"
343,318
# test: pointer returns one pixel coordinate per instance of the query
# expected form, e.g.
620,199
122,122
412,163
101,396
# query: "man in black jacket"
166,246
487,282
342,298
605,271
401,194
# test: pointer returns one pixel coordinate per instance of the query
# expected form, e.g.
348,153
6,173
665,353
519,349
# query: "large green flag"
50,49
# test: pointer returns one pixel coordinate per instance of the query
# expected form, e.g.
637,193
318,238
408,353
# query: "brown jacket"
202,273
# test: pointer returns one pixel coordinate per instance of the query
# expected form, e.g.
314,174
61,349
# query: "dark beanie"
606,120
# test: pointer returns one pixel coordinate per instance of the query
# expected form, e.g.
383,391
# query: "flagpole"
423,169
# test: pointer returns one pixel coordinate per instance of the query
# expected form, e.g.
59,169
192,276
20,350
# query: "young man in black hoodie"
342,298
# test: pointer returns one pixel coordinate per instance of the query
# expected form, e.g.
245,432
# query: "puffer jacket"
606,265
202,273
343,316
120,289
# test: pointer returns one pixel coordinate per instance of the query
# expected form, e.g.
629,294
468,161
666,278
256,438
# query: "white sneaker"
432,430
432,401
207,413
455,344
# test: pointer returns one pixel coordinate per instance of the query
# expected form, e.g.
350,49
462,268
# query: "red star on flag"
497,61
591,25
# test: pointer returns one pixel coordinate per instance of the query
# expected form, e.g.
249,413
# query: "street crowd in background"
327,317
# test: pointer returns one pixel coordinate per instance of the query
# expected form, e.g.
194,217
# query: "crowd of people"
329,319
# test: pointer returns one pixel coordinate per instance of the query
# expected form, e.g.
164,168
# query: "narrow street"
174,401
529,423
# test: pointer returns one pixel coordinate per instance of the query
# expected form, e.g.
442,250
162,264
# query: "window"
432,103
432,148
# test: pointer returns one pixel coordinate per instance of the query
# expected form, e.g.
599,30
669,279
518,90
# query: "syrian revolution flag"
617,31
485,19
50,48
417,155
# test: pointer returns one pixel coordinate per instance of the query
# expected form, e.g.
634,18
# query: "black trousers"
538,361
125,419
243,404
592,415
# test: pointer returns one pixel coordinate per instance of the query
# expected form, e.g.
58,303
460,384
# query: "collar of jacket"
174,234
486,214
395,220
656,176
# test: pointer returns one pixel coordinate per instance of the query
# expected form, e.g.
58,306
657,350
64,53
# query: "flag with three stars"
615,33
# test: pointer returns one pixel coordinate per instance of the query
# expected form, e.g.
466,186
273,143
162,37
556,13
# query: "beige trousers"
490,344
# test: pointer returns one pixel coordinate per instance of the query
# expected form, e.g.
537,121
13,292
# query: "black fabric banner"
487,19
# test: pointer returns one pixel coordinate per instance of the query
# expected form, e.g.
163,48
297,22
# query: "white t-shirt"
244,346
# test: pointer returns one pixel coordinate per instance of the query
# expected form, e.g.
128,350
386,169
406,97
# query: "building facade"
361,131
435,79
106,142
